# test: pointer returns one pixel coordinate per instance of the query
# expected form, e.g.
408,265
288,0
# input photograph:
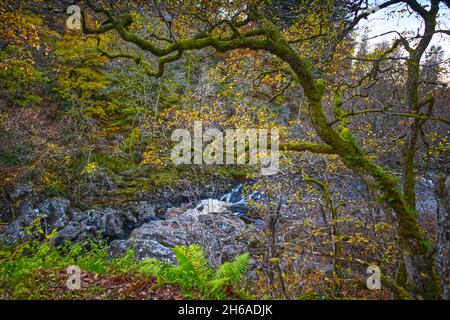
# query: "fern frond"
194,271
234,271
216,288
154,267
192,259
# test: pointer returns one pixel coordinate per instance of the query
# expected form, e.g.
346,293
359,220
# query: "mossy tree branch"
307,146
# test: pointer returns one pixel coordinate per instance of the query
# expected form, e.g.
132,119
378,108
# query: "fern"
193,269
154,267
192,259
193,272
234,271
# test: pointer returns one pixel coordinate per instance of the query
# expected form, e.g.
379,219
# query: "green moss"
427,244
235,172
164,177
309,65
319,85
115,164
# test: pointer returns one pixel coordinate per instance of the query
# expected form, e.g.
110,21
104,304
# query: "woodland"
91,92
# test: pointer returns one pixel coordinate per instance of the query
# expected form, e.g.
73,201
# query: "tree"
227,26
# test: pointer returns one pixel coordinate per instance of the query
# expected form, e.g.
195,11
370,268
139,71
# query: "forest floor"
52,285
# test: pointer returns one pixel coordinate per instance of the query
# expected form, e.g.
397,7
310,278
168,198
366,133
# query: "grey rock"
144,211
220,234
24,207
137,213
173,212
105,221
52,214
15,231
166,232
138,225
55,211
71,225
69,232
144,248
93,224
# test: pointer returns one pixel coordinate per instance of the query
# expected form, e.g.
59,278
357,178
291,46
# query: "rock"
102,223
71,225
144,248
220,234
106,221
173,212
70,233
159,212
167,232
55,212
140,225
135,214
144,211
15,230
51,212
24,207
171,197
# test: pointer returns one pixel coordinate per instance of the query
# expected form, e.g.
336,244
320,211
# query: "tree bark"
442,192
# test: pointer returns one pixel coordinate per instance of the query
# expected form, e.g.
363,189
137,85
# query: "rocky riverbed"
145,226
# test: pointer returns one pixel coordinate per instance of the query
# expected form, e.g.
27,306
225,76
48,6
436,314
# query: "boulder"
102,223
220,234
144,248
55,212
142,211
52,213
72,225
173,212
140,225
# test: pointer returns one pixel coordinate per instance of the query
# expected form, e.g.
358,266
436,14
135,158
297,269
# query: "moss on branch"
307,146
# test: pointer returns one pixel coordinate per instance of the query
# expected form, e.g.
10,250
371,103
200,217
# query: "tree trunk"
442,192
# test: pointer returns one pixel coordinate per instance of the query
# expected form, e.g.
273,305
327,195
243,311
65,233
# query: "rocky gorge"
144,225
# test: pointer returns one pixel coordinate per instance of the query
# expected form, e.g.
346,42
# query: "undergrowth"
192,273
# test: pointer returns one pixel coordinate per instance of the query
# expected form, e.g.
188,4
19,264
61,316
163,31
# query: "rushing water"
234,202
